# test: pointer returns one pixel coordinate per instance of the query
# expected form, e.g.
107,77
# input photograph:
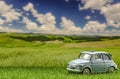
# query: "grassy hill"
23,40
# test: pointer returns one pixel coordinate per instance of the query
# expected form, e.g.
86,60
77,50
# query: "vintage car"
92,62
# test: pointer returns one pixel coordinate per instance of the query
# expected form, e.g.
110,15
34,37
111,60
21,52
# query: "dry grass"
99,44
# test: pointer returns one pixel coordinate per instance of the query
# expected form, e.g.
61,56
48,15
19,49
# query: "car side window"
106,57
98,56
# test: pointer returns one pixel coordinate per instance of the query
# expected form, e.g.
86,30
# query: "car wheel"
111,69
86,71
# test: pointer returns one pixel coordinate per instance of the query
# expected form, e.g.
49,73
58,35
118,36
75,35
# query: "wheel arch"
88,68
111,66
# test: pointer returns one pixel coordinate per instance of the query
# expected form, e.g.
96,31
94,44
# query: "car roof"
95,52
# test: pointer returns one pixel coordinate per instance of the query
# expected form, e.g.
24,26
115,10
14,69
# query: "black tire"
111,69
86,71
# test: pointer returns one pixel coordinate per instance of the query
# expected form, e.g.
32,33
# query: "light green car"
92,62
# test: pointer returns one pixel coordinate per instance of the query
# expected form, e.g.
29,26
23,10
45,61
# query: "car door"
107,60
98,64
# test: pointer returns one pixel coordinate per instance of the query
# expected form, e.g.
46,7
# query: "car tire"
111,69
86,71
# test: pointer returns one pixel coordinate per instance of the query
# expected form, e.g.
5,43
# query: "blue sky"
68,17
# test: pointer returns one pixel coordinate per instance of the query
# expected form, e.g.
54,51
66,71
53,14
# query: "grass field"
50,73
25,60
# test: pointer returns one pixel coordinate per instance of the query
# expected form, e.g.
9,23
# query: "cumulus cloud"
4,7
41,18
48,23
112,14
30,7
93,27
47,20
69,27
29,24
8,12
11,15
110,11
94,4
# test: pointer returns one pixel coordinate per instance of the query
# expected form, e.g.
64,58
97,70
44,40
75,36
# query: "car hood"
78,61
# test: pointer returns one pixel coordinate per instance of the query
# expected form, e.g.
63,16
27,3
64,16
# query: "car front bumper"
73,70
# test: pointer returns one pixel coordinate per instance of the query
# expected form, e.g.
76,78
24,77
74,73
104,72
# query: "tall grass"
49,61
48,55
50,73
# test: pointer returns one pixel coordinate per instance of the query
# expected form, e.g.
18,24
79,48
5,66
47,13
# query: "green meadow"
47,59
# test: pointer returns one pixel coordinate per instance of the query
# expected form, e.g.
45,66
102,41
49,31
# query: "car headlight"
73,66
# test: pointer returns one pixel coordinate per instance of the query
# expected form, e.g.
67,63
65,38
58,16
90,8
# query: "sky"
67,17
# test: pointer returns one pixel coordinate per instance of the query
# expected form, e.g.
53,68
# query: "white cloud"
88,17
94,4
44,28
7,29
30,7
112,14
48,24
29,24
8,12
69,27
41,18
110,11
11,15
4,7
93,27
1,21
47,20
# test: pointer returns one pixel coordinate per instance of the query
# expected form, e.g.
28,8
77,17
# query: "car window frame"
107,56
86,53
101,56
94,59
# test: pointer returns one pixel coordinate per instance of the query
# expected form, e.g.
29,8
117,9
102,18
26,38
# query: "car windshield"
85,56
